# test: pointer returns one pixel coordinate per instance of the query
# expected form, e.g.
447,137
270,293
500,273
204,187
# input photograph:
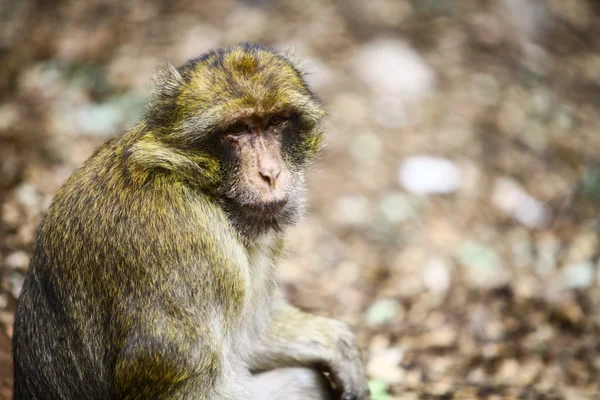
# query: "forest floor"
483,284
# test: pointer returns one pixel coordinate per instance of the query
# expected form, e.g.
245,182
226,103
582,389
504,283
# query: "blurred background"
453,217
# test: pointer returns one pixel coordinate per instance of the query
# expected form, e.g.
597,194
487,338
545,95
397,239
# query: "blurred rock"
353,210
383,311
521,248
510,197
528,17
385,365
28,196
547,249
15,283
485,89
107,119
590,182
349,108
318,73
390,111
18,260
9,115
436,275
488,29
483,265
398,207
100,120
390,66
366,148
583,247
378,390
578,275
427,174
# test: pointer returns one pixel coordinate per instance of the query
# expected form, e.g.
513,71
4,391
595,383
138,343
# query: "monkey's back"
111,236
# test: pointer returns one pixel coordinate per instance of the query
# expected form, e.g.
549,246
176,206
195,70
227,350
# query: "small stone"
353,210
548,248
578,275
28,195
385,366
511,198
484,266
99,120
398,207
542,102
17,260
521,249
436,275
563,119
366,148
390,66
440,338
15,282
350,108
591,182
383,311
318,74
508,372
485,89
583,247
9,116
390,111
428,174
378,389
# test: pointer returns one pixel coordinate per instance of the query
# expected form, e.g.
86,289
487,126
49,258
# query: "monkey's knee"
291,384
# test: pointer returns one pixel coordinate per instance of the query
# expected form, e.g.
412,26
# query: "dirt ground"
453,217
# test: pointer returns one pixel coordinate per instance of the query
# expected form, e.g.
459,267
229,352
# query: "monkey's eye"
237,129
276,120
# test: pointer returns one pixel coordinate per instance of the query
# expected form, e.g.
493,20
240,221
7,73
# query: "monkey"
153,272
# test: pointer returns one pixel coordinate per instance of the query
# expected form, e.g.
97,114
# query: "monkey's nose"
269,174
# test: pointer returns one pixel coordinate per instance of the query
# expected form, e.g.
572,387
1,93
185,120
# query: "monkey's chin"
269,208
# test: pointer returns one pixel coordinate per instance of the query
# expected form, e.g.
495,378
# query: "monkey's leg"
291,384
295,338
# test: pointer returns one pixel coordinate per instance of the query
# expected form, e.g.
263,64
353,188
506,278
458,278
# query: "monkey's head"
240,123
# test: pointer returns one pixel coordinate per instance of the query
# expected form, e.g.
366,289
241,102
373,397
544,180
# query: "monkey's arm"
166,357
296,338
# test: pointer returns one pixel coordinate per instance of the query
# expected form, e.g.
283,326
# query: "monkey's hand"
296,338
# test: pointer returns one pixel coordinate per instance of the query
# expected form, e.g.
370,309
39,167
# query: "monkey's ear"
166,83
167,78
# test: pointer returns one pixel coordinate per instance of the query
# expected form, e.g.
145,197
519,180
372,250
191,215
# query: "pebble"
436,275
485,89
484,266
510,197
99,120
428,174
17,260
353,210
548,247
383,311
578,275
366,148
9,116
15,282
584,246
385,365
378,389
390,111
28,196
393,67
398,207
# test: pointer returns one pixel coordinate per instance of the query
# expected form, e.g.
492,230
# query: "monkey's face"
260,178
241,122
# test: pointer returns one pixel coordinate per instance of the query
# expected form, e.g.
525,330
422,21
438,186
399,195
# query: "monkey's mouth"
268,207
